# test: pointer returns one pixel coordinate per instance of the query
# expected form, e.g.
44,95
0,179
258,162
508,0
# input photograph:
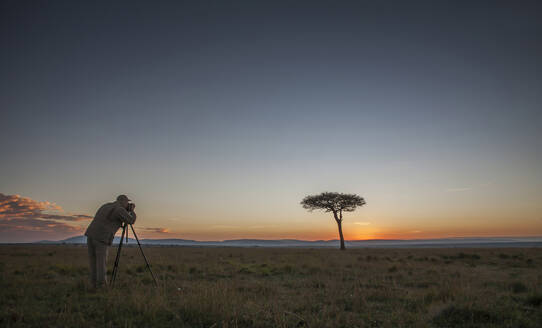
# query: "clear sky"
218,117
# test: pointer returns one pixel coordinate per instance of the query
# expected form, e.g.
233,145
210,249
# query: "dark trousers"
97,255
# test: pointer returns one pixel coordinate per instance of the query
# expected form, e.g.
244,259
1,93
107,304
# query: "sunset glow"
217,127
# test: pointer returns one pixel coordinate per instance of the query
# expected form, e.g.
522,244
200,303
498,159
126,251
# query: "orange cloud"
155,230
17,206
19,215
32,224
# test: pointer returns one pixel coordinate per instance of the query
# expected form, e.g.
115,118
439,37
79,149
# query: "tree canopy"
333,202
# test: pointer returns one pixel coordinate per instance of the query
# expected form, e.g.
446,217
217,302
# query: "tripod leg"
117,259
144,257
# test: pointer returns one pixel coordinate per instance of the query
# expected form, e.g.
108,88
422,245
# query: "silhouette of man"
100,234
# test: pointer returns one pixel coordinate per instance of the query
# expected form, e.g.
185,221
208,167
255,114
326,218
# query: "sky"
217,117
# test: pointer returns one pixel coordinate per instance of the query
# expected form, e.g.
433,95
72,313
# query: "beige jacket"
107,221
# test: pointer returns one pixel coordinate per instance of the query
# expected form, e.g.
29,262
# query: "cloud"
154,230
17,206
363,223
74,217
31,224
23,214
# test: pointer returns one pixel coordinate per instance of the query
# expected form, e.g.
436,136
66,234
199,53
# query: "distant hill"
383,243
79,240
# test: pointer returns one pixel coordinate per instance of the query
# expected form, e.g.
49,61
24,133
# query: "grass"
263,287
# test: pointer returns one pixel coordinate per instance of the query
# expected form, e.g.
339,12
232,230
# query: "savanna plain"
46,286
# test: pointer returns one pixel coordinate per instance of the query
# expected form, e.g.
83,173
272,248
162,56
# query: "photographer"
100,233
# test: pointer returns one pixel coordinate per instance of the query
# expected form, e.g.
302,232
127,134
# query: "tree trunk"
339,223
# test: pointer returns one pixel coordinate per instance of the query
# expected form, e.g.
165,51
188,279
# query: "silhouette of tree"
334,202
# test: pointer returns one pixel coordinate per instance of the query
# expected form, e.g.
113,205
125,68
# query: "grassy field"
260,287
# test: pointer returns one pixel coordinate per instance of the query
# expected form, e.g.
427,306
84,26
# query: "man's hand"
131,210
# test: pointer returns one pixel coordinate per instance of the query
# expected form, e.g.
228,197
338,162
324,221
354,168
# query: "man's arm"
125,216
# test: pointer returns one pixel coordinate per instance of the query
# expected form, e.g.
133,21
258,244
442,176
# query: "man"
100,234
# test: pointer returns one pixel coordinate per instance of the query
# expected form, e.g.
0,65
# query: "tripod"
116,267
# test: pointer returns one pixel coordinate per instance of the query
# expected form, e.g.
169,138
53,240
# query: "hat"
121,198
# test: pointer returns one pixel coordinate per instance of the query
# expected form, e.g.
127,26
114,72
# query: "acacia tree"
336,203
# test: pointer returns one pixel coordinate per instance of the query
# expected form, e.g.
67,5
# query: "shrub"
534,300
518,287
453,316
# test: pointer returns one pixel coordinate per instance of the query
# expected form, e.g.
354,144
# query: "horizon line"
304,240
